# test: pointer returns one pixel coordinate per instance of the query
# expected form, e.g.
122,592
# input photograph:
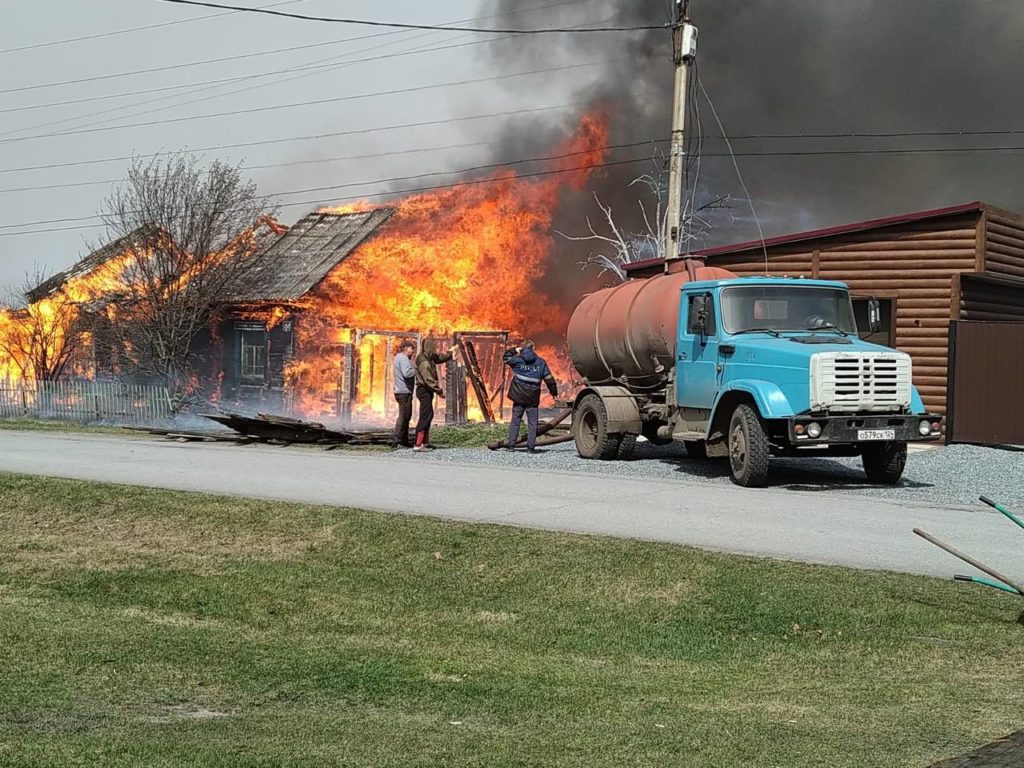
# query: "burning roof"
85,266
300,259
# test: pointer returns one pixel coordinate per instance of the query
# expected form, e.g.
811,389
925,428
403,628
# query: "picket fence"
88,401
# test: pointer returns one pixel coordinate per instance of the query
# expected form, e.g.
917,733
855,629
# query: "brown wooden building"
930,270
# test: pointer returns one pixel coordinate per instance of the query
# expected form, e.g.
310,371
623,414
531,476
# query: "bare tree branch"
618,249
189,231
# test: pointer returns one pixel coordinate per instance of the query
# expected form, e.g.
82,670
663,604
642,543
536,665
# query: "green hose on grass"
1000,508
989,583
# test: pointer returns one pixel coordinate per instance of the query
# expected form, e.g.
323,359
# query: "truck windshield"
787,308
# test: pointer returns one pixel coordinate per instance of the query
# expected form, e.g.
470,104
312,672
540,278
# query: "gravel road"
656,499
948,476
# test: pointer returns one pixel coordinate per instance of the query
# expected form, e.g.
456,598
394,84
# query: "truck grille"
860,381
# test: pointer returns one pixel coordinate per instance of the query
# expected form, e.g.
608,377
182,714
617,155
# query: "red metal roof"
817,234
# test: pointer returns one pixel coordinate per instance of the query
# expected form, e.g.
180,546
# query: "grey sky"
792,67
28,23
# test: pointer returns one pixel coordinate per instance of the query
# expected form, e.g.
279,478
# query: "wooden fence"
84,401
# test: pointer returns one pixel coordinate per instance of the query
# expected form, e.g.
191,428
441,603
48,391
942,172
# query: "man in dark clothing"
427,386
528,371
404,376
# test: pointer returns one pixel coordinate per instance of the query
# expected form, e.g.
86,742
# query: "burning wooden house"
284,341
289,340
309,327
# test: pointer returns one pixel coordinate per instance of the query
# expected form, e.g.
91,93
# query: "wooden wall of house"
1004,244
912,263
988,297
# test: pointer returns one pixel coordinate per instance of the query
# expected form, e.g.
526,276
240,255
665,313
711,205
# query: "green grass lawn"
52,425
150,628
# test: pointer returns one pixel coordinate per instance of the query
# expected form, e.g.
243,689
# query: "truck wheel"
884,462
696,449
590,429
627,444
749,451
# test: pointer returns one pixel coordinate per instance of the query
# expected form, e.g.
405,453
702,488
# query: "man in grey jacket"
404,376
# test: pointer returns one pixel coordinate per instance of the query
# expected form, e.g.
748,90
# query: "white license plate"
876,434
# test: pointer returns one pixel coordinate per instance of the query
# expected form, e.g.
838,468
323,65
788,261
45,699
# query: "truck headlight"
925,428
814,430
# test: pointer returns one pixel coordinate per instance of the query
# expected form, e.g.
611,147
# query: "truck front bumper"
856,428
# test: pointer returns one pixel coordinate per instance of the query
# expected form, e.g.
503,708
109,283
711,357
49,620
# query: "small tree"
189,231
619,248
43,339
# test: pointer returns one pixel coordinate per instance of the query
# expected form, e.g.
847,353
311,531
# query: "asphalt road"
821,527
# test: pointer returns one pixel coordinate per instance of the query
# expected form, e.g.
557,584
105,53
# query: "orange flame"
37,335
462,258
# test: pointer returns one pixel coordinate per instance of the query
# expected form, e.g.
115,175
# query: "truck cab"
775,367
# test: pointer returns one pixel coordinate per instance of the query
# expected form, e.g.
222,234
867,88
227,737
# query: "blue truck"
743,369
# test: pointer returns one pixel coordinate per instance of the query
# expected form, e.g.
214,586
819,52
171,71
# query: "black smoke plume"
797,67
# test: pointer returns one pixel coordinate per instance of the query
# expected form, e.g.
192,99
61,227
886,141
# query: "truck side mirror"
874,315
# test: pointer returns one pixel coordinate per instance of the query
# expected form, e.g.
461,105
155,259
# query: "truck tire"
749,452
884,462
696,449
590,430
627,444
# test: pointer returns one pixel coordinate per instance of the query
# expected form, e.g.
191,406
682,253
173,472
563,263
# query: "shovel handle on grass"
1019,588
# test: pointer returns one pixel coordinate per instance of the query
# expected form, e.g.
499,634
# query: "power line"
280,140
312,68
312,137
187,65
416,190
417,150
461,171
876,135
317,68
301,103
398,25
240,57
476,168
140,29
318,161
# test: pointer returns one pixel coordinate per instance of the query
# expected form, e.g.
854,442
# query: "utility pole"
684,51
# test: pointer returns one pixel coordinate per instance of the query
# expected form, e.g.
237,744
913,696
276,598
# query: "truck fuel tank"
627,334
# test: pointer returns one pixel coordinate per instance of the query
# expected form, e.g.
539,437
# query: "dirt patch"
114,545
187,711
438,677
495,617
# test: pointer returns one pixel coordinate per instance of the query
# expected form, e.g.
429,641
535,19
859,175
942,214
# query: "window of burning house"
252,346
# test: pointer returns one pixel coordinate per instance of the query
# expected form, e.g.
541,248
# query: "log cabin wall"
1002,236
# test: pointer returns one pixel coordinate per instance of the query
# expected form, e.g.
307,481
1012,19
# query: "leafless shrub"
189,230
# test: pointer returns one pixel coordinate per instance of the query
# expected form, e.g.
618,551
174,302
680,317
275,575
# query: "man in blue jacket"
528,371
